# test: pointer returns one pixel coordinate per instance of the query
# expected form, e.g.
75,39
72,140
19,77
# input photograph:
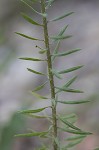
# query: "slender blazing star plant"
68,120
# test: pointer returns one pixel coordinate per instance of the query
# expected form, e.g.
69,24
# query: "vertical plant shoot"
67,121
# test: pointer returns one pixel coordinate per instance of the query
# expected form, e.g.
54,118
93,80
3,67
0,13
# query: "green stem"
46,37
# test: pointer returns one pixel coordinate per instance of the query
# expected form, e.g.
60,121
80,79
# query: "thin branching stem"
46,37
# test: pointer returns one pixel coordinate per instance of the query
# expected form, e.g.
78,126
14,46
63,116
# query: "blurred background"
16,82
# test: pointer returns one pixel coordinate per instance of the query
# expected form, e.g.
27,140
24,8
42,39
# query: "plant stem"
46,37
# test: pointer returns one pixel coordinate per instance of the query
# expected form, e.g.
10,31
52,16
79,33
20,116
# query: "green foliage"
74,102
68,90
28,37
75,131
31,59
27,18
62,16
40,134
36,72
32,111
70,69
27,4
38,95
60,37
66,123
40,87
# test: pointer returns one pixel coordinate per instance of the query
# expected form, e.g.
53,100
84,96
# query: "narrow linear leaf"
58,43
55,50
32,111
60,37
70,69
36,72
37,116
38,95
50,127
31,59
69,124
56,74
73,138
63,30
74,102
75,131
27,18
72,144
32,134
44,15
70,116
71,120
66,53
68,83
62,16
69,90
28,37
40,87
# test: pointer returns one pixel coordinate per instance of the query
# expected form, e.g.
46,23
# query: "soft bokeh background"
16,81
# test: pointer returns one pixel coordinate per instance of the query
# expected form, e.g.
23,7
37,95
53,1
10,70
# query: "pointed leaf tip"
76,137
75,131
66,53
72,144
70,82
32,111
70,69
60,37
31,59
62,16
38,95
74,102
36,72
65,89
44,15
69,124
40,134
39,87
58,43
27,18
28,37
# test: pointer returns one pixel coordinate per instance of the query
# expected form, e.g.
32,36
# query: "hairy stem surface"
46,37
